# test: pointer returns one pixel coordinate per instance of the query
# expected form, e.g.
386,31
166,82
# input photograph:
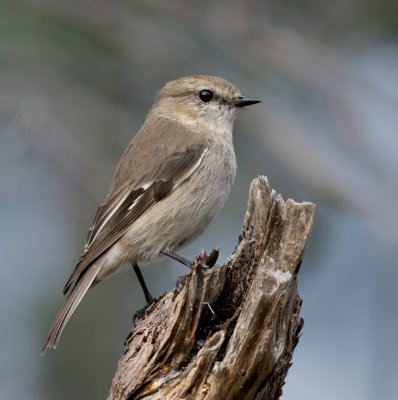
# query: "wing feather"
131,201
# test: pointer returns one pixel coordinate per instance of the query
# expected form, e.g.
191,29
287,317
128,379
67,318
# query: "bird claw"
211,259
139,314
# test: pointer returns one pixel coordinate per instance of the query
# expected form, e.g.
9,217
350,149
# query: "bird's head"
208,102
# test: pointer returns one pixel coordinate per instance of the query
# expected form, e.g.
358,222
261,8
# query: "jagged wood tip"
230,331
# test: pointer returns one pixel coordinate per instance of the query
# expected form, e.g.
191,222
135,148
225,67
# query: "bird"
171,181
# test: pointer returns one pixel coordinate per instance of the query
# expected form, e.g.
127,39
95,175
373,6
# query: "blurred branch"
230,332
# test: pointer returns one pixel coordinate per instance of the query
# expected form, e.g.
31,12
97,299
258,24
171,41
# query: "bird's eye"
205,95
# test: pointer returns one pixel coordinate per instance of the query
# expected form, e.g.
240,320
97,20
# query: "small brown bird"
171,181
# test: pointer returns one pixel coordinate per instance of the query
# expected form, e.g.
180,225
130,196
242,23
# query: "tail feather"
69,307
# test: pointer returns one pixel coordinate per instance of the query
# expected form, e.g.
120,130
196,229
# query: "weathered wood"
230,331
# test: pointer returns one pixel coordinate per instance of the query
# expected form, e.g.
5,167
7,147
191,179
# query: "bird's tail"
68,308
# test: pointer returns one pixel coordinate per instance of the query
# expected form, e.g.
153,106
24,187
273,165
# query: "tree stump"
230,330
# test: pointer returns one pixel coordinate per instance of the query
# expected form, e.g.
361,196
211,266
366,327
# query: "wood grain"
229,331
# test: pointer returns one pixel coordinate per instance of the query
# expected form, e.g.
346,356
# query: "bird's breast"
211,183
186,212
219,165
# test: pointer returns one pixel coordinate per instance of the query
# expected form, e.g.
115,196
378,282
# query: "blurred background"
76,80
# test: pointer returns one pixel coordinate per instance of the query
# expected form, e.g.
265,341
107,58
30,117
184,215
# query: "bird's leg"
148,297
210,259
178,258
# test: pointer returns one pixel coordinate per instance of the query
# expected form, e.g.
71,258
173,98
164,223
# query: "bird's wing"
133,199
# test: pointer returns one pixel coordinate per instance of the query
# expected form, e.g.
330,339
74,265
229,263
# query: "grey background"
76,79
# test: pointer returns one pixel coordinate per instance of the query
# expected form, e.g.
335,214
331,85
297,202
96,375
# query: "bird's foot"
211,259
139,314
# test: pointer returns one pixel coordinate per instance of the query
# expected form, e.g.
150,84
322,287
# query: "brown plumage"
171,181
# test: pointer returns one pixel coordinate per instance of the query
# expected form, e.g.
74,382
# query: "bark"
227,331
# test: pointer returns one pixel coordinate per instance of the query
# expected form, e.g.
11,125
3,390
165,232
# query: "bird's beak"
244,101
